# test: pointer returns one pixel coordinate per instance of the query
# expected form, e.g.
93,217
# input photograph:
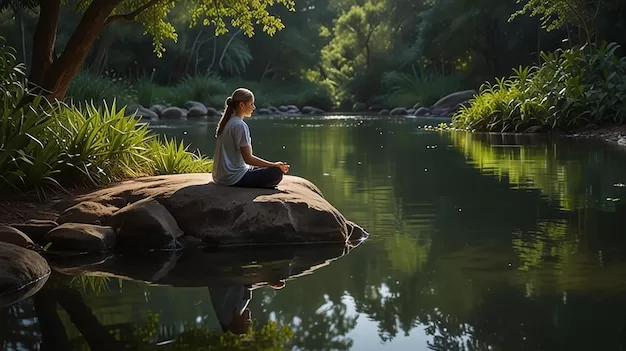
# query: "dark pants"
261,177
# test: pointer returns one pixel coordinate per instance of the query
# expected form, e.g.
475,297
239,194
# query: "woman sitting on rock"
234,164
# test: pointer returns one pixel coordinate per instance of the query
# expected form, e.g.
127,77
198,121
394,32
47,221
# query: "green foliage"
558,13
299,93
269,337
242,14
406,89
45,146
87,87
172,158
197,88
92,284
572,88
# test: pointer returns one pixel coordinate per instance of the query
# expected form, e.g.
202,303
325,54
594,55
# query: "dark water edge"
478,242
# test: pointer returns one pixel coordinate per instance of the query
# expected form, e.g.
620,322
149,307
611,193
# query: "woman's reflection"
230,304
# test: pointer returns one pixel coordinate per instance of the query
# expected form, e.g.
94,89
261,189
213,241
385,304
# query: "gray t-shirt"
228,164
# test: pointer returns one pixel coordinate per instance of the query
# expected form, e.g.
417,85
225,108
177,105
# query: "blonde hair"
230,106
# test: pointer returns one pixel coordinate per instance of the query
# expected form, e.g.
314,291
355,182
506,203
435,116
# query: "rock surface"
294,213
36,228
146,224
80,238
22,273
14,236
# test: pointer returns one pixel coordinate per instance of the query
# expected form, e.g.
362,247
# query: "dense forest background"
332,54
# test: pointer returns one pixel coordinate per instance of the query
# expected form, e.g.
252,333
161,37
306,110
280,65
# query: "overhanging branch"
129,17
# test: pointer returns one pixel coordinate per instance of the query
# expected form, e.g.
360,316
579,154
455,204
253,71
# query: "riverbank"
610,134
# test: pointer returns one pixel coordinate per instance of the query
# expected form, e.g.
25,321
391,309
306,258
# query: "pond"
483,242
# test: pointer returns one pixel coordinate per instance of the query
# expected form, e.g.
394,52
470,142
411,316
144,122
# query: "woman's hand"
284,167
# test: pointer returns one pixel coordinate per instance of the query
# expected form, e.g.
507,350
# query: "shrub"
572,88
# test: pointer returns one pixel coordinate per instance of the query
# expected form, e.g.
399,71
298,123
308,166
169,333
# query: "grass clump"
572,88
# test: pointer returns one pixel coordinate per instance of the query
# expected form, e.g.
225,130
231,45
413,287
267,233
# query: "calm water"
477,243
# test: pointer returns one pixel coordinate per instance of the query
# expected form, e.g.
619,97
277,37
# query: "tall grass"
571,89
48,146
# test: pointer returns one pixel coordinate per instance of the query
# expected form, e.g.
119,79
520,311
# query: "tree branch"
129,17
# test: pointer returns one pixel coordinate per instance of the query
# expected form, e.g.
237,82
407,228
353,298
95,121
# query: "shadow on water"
61,316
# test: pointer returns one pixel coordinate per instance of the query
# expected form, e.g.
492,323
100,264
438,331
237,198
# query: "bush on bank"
573,88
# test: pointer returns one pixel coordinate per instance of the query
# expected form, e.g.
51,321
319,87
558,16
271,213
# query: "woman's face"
246,107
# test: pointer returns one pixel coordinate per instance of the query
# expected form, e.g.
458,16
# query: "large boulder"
294,213
22,273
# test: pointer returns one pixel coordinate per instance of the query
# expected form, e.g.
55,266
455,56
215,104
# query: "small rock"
13,236
191,104
80,238
36,228
398,111
197,111
158,109
211,112
87,212
174,113
310,110
383,112
263,112
422,111
283,108
146,113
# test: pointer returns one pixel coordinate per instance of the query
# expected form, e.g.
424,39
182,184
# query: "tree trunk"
43,40
103,45
19,14
64,69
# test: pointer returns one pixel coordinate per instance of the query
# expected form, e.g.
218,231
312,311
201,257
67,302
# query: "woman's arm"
249,158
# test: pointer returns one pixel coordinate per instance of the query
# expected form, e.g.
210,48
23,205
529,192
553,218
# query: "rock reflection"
228,277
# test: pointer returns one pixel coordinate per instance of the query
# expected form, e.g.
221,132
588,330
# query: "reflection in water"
193,299
478,242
